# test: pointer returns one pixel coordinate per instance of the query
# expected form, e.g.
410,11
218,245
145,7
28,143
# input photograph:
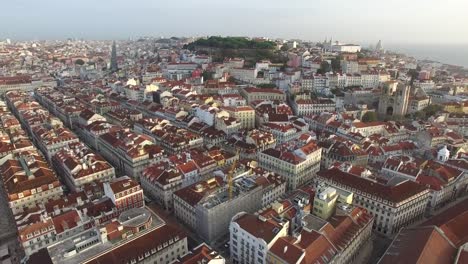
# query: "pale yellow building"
455,107
245,115
326,200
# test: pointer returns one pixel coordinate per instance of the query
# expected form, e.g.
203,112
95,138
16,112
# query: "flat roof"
58,250
136,217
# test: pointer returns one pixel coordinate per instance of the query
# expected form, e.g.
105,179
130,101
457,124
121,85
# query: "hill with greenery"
238,47
231,43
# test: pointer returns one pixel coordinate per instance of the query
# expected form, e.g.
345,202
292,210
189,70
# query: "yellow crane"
230,174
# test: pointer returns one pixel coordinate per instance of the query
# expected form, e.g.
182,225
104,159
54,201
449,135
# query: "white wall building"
251,236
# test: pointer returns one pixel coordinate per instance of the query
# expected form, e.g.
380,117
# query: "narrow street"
8,232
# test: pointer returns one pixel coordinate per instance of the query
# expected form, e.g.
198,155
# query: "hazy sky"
360,21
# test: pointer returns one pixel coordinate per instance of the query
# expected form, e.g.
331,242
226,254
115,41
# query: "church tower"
402,100
113,63
379,46
394,99
443,154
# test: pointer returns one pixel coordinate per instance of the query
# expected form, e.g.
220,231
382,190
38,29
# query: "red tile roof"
453,223
200,254
396,194
266,228
127,252
194,193
65,221
421,245
122,184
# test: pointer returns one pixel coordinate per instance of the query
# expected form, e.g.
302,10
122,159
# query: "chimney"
285,249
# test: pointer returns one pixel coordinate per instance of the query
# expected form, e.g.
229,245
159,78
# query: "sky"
351,21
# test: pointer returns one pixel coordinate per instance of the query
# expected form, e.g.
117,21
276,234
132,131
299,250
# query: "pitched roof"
421,245
396,194
265,229
453,222
141,245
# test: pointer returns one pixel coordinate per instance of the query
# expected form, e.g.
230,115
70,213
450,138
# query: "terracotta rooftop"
128,252
420,245
122,184
452,222
396,194
265,229
200,254
194,193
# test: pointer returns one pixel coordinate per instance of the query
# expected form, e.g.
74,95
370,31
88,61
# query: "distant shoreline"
451,54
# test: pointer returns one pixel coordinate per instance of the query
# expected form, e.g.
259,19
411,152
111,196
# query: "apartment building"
22,83
170,137
78,165
244,114
296,161
124,193
339,240
161,180
37,235
303,107
252,235
207,207
342,151
50,140
393,206
349,66
326,200
255,94
445,183
129,152
28,181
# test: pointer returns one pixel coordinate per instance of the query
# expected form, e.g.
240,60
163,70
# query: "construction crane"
230,174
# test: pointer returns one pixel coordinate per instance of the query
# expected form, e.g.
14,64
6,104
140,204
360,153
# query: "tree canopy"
79,62
207,75
232,43
432,109
369,117
266,85
336,64
324,67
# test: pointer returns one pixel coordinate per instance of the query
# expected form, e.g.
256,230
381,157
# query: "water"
455,54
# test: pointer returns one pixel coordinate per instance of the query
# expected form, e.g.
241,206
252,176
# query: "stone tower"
379,46
113,63
394,99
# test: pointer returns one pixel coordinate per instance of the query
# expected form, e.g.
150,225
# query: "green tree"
432,109
324,67
336,64
266,85
231,43
369,117
79,62
207,75
413,74
419,115
284,47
